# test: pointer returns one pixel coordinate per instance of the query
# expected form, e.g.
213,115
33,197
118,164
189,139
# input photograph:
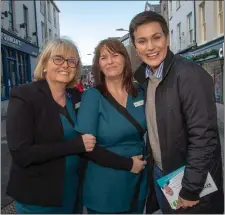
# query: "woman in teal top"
45,148
108,190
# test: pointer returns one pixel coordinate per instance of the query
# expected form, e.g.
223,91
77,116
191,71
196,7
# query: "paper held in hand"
171,186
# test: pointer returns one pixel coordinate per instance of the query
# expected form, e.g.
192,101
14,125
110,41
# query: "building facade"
152,7
164,10
20,44
181,25
47,21
135,59
210,42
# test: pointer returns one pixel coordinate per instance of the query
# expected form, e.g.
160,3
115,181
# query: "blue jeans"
159,194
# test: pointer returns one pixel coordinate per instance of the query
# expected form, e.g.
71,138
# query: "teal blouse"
71,177
105,189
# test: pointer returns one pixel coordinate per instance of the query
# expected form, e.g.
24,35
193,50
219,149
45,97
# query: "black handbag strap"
128,116
122,110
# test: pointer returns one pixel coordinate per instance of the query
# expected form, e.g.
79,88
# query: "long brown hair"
115,46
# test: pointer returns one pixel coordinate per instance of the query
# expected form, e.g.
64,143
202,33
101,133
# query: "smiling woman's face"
151,44
111,63
59,71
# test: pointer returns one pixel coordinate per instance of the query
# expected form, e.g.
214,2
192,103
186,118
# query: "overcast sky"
88,22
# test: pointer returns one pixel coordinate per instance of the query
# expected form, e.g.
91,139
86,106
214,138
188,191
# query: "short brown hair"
115,46
146,17
63,44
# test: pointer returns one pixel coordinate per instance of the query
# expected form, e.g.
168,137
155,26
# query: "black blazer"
35,140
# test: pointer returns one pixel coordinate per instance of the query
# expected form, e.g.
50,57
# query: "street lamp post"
121,29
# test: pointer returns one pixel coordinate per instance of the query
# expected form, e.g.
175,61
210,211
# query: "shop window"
215,69
19,65
24,72
3,85
14,71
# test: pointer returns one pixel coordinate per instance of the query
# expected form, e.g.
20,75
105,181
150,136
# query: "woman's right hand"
138,164
89,142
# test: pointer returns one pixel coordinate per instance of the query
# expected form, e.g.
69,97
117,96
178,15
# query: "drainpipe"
35,16
195,37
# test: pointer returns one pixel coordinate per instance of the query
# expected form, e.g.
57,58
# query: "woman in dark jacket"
44,145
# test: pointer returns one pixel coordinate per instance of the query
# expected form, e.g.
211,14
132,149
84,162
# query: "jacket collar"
140,76
44,87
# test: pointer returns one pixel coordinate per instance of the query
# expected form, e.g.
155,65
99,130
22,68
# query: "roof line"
55,6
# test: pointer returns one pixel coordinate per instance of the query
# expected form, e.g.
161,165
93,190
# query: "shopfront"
17,57
211,57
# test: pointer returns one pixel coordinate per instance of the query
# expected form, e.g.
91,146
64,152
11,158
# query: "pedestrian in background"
116,118
43,143
79,85
181,118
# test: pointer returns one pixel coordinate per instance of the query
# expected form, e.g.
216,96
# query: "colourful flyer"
171,186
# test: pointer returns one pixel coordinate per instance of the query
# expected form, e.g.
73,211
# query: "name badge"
139,103
77,105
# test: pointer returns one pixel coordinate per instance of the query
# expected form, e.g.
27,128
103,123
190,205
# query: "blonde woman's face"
61,67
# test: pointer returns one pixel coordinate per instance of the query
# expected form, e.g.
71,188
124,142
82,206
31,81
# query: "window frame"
54,17
178,5
42,7
190,28
50,34
25,18
220,17
171,8
10,12
179,35
202,21
43,32
49,11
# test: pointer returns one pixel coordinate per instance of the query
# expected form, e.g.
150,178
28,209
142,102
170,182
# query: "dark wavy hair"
115,46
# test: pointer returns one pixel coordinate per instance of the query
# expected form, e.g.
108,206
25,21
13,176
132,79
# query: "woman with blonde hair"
43,143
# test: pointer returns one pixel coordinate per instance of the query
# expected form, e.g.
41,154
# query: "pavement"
7,204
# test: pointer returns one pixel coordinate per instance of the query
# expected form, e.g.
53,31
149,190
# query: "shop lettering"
221,51
10,39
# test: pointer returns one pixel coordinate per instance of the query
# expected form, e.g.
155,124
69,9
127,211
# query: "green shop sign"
214,53
212,50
